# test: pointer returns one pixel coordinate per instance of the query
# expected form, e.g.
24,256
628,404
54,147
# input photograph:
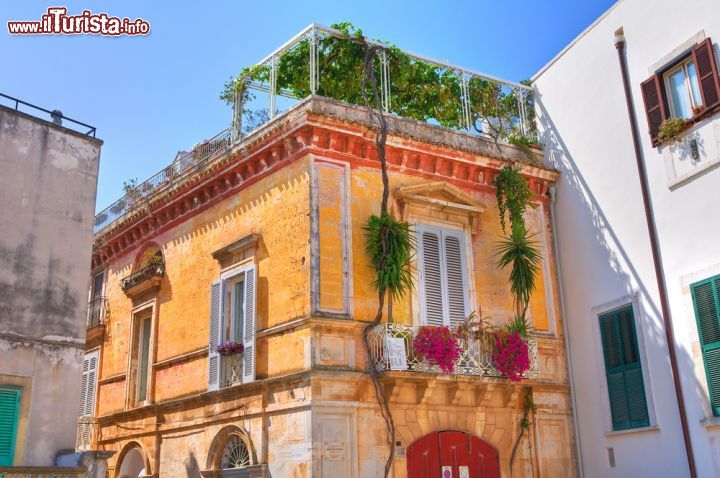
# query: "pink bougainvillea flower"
512,358
438,346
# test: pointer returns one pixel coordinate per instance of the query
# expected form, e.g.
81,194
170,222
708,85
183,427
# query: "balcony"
96,312
475,357
143,280
232,370
326,62
85,433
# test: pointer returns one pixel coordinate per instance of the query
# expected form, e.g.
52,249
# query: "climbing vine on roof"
418,90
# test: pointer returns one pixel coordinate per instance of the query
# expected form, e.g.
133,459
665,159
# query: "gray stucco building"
47,192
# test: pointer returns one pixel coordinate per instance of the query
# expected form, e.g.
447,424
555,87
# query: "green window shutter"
705,302
9,412
623,370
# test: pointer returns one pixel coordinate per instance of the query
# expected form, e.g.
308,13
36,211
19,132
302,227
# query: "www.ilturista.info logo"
57,22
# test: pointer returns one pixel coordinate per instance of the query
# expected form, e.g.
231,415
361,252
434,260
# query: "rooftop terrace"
327,62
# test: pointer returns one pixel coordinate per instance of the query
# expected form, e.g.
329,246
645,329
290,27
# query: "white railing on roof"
315,33
167,178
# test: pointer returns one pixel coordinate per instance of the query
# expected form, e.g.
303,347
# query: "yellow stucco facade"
292,201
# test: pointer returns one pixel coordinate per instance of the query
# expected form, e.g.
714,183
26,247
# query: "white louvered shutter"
215,336
249,330
443,276
88,387
431,277
456,276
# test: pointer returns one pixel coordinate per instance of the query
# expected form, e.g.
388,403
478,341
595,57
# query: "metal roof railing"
56,116
194,160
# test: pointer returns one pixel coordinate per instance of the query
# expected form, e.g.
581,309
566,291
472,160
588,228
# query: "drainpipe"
566,330
659,273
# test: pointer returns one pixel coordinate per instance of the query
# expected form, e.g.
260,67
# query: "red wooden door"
452,454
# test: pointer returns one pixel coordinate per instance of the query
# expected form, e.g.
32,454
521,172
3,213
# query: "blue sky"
152,96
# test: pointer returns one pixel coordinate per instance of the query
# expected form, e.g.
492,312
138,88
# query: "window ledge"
651,428
686,178
710,422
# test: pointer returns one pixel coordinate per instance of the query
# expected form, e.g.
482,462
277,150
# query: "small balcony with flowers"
147,276
473,348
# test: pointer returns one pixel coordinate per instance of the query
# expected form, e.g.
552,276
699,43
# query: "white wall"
603,239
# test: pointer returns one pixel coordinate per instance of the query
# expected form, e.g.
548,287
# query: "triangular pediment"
441,194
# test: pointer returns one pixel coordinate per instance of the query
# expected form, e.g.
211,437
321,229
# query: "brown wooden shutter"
654,104
707,71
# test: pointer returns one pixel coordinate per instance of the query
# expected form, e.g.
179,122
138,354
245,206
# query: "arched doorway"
452,454
133,464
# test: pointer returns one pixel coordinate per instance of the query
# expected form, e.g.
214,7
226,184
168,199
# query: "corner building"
264,244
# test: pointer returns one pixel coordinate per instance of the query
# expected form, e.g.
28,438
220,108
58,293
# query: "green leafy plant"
670,130
524,143
131,189
519,325
129,185
393,268
513,196
475,327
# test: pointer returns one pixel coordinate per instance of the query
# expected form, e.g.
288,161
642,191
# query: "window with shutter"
232,318
707,313
707,73
215,337
9,414
685,88
623,369
654,104
89,385
443,276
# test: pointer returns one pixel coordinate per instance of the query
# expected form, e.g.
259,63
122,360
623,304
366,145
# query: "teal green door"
9,412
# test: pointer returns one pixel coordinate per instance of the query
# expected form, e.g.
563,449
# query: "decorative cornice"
306,131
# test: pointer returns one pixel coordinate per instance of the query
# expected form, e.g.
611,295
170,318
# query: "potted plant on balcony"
437,346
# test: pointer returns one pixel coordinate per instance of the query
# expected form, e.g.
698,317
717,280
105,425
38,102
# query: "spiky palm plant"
522,254
392,271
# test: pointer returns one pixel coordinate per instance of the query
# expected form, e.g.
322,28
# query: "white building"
606,259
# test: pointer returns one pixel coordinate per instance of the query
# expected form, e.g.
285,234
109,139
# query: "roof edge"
567,47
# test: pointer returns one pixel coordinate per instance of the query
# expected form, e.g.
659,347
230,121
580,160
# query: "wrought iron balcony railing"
85,433
151,271
232,369
475,356
96,312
